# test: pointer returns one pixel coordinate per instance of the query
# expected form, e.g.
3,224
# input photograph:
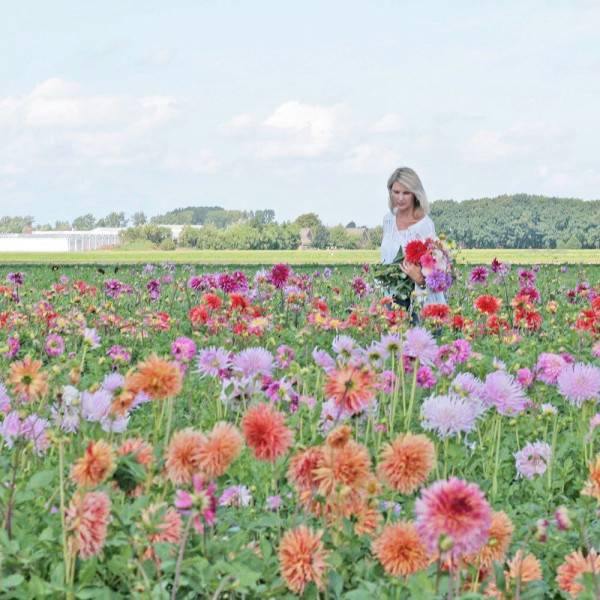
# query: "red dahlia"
436,311
414,251
489,305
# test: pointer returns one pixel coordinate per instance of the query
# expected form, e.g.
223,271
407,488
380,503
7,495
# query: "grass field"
295,257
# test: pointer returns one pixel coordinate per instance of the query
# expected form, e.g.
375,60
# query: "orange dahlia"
351,389
125,478
26,378
346,466
525,567
157,377
163,525
266,432
94,466
400,549
183,455
219,449
122,402
339,436
86,522
501,531
302,558
368,519
139,448
301,472
592,485
407,462
569,573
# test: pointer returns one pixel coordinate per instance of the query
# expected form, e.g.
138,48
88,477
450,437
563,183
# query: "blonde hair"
410,180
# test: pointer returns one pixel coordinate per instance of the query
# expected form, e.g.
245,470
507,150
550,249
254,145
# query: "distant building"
61,241
306,240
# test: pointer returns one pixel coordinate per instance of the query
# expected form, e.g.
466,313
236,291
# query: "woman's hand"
413,271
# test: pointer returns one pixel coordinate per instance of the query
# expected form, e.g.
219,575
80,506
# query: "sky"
298,107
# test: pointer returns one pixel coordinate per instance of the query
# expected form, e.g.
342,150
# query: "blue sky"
293,106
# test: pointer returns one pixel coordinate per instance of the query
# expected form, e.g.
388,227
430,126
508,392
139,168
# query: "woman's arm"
414,272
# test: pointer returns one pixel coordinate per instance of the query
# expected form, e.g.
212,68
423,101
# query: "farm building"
60,241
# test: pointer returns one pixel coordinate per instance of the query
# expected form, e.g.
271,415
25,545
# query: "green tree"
113,219
84,223
138,219
339,238
15,224
320,236
310,220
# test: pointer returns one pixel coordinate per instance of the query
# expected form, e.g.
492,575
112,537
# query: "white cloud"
521,139
372,158
389,123
239,123
57,123
296,129
200,162
159,57
486,146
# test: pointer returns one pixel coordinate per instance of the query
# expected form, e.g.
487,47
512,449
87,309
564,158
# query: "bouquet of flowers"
431,255
434,259
393,279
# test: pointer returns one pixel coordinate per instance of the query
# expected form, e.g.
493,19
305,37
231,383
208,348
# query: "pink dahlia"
453,513
200,503
579,382
549,366
502,391
419,343
279,275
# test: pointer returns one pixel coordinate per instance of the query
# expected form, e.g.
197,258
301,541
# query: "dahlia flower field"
173,432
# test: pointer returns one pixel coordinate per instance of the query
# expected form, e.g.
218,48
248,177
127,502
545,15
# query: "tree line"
519,221
507,221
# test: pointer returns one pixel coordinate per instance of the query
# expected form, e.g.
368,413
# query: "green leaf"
335,583
40,479
12,581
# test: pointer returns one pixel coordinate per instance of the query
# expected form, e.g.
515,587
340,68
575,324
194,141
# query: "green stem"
497,459
61,477
552,455
411,403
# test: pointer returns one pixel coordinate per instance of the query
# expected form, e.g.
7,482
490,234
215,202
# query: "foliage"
520,221
237,556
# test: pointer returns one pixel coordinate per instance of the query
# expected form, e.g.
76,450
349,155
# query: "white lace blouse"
393,238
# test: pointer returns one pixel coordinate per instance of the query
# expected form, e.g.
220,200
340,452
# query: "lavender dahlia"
235,495
503,392
253,361
579,382
213,361
448,415
438,281
323,359
533,459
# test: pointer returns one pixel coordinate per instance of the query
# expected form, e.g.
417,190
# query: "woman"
407,221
